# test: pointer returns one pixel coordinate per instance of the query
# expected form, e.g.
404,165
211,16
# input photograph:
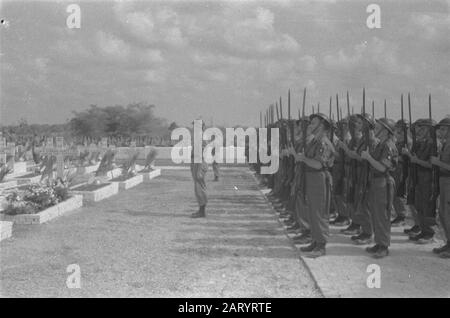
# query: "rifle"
406,161
412,167
366,144
302,165
338,186
332,126
291,126
434,169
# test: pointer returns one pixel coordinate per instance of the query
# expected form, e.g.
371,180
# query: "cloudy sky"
224,61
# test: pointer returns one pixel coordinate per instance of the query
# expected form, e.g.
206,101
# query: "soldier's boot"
308,248
362,239
398,221
340,221
352,229
293,227
302,239
381,252
439,250
373,249
319,250
200,213
413,230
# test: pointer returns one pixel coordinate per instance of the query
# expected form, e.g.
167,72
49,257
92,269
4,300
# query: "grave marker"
59,152
7,149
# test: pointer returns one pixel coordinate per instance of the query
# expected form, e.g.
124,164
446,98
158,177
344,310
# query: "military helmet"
323,117
425,122
401,123
444,122
388,124
367,118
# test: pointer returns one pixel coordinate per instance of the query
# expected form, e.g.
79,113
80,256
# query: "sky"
223,61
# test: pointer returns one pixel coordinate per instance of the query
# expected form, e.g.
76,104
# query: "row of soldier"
363,174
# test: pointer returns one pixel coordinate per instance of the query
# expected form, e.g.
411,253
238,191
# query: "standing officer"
380,192
215,166
443,162
422,202
198,171
318,159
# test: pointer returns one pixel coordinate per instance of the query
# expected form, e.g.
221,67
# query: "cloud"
153,25
112,47
376,55
431,25
256,34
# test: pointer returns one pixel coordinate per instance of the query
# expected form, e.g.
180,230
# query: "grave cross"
59,152
7,149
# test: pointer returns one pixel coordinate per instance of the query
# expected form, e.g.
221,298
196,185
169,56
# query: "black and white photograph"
225,154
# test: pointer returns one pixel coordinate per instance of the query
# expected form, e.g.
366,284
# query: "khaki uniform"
318,188
444,195
198,171
338,173
300,208
422,202
381,191
362,213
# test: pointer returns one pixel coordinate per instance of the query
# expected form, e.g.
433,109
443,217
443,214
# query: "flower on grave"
35,198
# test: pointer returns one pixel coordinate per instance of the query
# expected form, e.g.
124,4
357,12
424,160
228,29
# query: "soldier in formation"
372,172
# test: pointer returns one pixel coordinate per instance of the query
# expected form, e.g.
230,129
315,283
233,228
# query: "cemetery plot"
96,192
149,175
48,214
126,182
37,203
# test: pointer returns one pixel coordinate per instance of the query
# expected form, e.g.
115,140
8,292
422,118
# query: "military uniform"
361,212
422,203
444,194
338,174
381,191
318,188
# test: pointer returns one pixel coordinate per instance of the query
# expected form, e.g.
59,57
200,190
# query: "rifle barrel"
281,109
303,105
289,104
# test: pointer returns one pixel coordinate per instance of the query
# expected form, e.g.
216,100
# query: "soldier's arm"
423,163
435,161
380,166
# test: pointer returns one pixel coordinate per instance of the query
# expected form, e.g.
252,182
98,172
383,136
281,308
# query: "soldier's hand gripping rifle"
412,173
434,169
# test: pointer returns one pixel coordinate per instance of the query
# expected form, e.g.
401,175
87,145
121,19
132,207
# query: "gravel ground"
142,243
